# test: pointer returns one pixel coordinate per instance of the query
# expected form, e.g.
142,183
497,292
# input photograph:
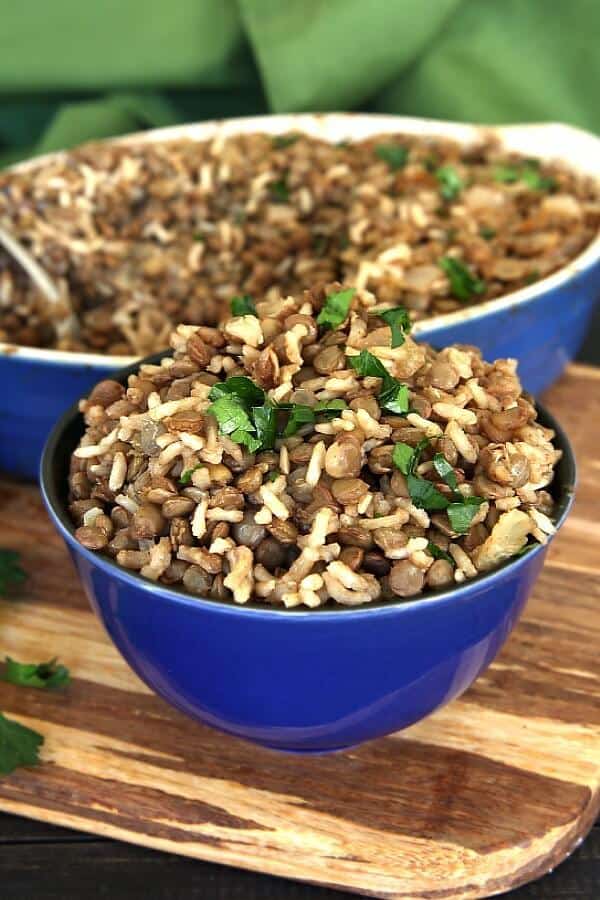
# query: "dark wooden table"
48,863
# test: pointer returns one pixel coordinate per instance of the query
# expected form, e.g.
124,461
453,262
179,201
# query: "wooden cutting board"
490,792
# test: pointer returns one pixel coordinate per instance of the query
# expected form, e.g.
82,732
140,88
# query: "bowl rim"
538,138
50,490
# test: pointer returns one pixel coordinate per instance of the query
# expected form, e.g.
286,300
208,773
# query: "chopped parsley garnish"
19,746
335,309
393,395
244,413
532,276
438,553
186,476
461,513
11,573
487,233
265,422
463,284
445,471
451,184
301,415
234,420
280,193
281,141
368,365
40,675
243,306
330,408
506,174
424,494
274,475
406,458
238,386
534,179
399,322
529,174
395,155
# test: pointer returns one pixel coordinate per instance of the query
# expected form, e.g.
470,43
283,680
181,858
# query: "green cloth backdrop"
71,71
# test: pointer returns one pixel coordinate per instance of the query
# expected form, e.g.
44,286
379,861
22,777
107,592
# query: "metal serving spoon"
68,326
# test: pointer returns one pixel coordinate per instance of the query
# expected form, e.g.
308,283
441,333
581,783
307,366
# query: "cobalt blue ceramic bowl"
303,681
542,325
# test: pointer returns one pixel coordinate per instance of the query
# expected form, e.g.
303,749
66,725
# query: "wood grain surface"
488,793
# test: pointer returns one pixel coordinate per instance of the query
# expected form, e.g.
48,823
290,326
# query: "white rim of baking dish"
577,148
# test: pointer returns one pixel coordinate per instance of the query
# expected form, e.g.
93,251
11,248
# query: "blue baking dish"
542,325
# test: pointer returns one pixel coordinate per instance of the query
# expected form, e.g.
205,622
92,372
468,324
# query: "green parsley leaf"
281,141
532,276
238,386
368,365
402,457
445,471
534,179
395,155
463,284
249,440
393,396
243,306
529,174
330,408
424,494
274,475
526,549
450,181
399,322
487,233
335,309
265,421
11,573
186,476
406,458
300,415
19,746
438,553
231,416
461,514
280,193
42,675
506,174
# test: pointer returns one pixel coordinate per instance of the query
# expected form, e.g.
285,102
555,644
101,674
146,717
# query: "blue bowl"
542,325
301,681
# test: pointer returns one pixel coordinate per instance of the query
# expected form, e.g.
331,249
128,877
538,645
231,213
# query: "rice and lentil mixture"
309,452
142,236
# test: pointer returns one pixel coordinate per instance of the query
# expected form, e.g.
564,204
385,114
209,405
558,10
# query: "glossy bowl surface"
301,681
542,325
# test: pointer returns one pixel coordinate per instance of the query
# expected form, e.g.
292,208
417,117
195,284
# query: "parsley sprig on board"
19,746
11,573
38,675
335,309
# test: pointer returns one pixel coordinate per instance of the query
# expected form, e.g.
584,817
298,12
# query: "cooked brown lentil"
141,236
359,516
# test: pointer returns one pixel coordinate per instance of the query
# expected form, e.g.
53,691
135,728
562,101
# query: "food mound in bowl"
311,453
140,236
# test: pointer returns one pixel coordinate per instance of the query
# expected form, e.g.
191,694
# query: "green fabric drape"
70,72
